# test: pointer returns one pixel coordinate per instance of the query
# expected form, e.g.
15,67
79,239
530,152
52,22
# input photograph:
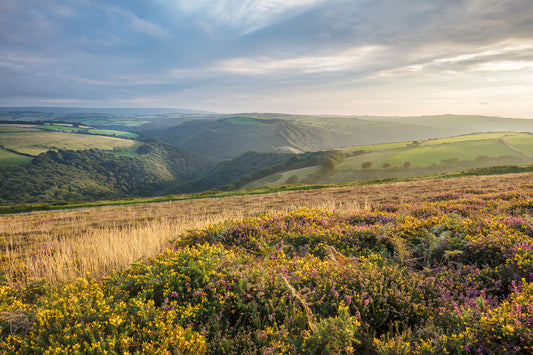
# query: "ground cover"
439,266
8,158
34,142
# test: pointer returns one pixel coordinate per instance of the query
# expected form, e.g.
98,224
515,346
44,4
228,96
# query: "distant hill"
411,158
229,137
121,111
64,154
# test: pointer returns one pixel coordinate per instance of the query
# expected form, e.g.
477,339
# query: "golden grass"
62,245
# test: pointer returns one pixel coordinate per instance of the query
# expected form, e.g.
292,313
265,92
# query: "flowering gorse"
447,275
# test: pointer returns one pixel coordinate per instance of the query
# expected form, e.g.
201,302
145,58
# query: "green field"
33,141
433,154
99,132
377,147
425,157
523,142
8,158
472,137
465,147
246,121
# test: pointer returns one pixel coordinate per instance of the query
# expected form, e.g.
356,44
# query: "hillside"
232,136
412,158
88,175
25,141
224,152
443,266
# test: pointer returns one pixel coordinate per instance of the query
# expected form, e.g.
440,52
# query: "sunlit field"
62,245
34,142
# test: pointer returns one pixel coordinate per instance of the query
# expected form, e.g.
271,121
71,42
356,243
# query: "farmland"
8,158
33,140
432,266
423,158
88,130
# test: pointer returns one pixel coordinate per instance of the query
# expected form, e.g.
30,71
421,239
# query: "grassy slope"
233,135
426,158
33,141
8,158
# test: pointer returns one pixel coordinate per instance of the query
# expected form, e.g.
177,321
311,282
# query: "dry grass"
62,245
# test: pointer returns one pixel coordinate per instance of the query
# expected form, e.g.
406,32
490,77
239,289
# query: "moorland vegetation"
430,266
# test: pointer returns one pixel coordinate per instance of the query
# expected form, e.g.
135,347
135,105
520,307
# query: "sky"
345,57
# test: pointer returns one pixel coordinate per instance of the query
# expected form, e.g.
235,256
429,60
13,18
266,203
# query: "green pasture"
131,151
377,147
522,142
8,159
111,121
470,137
101,132
427,155
426,158
240,121
36,142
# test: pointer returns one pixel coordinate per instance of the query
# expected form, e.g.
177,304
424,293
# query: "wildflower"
348,299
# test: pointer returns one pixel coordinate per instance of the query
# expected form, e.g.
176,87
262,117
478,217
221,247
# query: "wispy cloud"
242,15
260,66
137,24
338,56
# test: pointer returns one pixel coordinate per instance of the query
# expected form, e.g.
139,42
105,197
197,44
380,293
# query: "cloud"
341,54
243,16
135,23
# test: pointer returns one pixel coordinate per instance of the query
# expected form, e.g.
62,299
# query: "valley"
166,152
265,233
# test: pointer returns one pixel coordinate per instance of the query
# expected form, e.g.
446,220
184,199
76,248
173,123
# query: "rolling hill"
234,135
88,174
174,152
413,158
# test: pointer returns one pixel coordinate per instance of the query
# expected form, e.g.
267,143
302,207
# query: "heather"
451,272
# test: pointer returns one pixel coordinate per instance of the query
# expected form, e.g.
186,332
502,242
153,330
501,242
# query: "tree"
407,164
367,165
329,164
386,165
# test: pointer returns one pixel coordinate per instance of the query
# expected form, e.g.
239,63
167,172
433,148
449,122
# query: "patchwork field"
422,267
33,141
